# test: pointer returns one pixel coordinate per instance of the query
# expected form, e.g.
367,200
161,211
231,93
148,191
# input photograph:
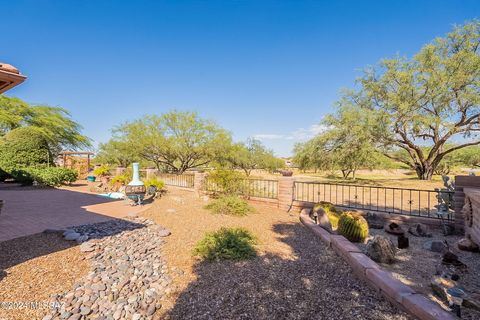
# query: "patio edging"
366,269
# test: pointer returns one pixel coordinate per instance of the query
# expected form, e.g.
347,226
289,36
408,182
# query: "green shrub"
122,179
23,147
101,171
230,205
332,212
226,244
51,176
155,182
353,226
228,182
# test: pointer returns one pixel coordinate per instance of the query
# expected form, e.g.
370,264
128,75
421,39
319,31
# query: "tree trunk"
425,171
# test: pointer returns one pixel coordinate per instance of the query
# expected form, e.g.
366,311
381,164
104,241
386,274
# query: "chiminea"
135,190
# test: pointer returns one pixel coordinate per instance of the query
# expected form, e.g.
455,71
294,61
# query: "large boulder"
419,230
381,249
466,244
435,246
394,228
322,218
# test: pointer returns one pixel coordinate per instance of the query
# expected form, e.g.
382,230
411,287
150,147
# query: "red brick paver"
31,211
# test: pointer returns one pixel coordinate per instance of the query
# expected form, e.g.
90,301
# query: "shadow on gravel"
19,250
316,284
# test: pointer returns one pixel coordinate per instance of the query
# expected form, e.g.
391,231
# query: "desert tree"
53,123
252,155
174,141
421,104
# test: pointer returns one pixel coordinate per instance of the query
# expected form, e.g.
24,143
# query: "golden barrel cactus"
353,226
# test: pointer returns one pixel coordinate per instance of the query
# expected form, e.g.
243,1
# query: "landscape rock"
72,236
128,276
393,228
435,246
374,220
82,238
466,244
419,230
381,249
322,219
67,231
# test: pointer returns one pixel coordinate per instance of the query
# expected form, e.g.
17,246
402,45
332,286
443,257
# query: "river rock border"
127,278
368,270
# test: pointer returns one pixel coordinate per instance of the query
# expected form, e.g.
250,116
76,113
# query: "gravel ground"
416,266
34,267
127,278
294,276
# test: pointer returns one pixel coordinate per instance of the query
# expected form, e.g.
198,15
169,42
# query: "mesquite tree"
421,104
175,141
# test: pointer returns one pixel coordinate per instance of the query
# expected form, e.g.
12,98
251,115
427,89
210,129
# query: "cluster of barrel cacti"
353,226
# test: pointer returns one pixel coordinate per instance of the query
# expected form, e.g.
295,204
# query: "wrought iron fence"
177,180
412,202
259,188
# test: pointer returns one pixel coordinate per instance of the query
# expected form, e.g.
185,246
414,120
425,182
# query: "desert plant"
230,205
121,179
102,171
154,182
49,176
353,226
226,244
23,147
228,182
331,211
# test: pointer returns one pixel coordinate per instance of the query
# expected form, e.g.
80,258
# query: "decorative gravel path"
128,275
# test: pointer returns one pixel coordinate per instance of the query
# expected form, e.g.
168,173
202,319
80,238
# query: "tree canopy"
411,110
252,155
175,141
54,123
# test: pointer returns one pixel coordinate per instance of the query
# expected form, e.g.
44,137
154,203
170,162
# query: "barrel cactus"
353,226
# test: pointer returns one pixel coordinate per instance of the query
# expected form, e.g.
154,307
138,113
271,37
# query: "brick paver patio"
31,211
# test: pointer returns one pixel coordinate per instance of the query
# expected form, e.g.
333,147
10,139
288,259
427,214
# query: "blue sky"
269,69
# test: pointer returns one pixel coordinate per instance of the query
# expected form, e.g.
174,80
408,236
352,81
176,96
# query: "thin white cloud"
300,134
268,136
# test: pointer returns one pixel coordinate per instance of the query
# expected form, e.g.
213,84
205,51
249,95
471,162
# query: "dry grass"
32,269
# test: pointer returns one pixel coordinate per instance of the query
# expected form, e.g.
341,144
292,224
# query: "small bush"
332,212
226,244
154,182
51,176
353,226
230,205
228,182
101,171
122,179
23,147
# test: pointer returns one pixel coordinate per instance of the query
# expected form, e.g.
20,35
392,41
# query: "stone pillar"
151,172
199,182
120,170
459,198
285,192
